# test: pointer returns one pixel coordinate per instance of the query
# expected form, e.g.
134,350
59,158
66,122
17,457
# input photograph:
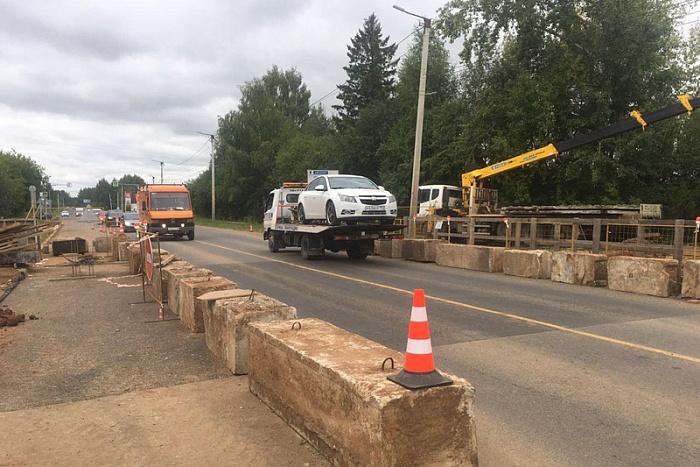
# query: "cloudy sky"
94,89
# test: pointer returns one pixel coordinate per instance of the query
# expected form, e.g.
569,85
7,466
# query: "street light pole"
213,175
415,179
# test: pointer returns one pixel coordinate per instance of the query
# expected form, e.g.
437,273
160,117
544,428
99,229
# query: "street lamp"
419,120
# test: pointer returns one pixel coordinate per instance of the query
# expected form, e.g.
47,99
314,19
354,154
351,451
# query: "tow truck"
282,229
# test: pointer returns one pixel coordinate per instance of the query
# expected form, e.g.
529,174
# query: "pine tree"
370,72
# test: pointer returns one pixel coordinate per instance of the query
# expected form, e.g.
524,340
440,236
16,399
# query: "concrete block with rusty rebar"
190,309
226,325
328,384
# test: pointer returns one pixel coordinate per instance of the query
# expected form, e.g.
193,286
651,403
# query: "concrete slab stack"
172,284
422,250
535,264
329,385
580,268
691,279
191,310
226,324
473,257
648,276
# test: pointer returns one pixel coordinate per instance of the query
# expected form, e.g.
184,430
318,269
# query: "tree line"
530,73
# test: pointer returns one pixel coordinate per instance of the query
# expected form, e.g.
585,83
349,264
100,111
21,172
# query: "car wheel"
331,216
302,214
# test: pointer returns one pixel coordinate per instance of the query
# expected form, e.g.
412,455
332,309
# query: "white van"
444,200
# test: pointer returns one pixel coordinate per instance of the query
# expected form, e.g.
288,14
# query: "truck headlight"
163,225
182,225
392,199
347,199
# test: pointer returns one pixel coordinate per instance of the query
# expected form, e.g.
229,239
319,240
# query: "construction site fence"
677,238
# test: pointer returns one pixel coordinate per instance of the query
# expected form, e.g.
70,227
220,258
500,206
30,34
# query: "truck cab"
442,200
166,209
281,203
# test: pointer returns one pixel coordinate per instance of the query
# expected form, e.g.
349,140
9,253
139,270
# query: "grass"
228,224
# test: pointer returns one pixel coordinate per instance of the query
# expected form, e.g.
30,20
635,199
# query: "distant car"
112,217
65,214
348,198
130,220
79,212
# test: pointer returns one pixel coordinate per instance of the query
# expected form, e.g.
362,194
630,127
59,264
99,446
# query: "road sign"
115,183
148,258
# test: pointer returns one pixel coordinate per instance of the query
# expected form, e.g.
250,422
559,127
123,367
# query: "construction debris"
9,318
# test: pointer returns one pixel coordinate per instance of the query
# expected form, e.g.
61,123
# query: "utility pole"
161,170
415,180
213,175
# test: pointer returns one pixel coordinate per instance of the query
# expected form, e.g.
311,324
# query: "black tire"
357,252
302,214
387,221
331,216
304,247
190,235
272,244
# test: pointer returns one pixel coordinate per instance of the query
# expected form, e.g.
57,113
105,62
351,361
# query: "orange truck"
166,210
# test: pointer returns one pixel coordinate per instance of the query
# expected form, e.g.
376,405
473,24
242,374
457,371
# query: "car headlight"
164,225
392,199
347,199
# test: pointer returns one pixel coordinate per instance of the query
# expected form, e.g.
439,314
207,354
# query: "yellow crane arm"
545,152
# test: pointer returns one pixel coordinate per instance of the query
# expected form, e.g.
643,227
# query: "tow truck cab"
166,209
442,200
280,206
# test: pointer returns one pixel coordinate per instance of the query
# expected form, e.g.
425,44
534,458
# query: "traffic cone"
121,228
419,368
250,227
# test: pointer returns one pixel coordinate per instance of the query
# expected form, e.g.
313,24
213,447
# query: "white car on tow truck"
283,228
350,198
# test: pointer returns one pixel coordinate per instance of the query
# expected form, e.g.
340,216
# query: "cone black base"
419,380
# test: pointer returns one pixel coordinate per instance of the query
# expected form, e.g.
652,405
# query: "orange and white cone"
419,368
121,228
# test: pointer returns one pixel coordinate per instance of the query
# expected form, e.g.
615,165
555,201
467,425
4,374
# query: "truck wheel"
305,247
302,214
331,216
190,235
272,244
357,252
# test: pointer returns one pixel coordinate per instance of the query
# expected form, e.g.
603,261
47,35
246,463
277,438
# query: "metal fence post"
595,247
533,233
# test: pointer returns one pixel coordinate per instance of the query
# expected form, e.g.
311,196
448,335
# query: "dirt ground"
97,379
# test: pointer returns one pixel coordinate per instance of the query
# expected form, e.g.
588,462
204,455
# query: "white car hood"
361,192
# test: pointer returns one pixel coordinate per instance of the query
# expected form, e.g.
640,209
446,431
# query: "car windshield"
338,183
131,215
170,202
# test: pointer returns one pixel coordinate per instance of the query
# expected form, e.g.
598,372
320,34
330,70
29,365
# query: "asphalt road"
564,375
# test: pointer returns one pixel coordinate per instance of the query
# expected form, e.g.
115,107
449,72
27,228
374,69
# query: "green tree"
370,72
17,173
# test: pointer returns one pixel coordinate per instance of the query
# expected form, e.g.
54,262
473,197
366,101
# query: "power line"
194,154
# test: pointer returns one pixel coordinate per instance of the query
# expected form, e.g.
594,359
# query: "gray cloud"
96,89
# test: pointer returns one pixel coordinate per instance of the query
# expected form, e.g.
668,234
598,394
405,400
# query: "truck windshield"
170,202
338,183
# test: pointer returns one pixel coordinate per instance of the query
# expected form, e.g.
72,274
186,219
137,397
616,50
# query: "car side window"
323,182
311,186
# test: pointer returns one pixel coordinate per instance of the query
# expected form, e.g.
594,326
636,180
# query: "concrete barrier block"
122,252
102,245
161,285
383,247
423,250
396,248
474,257
133,256
226,325
328,385
536,264
192,310
648,276
172,284
691,279
580,268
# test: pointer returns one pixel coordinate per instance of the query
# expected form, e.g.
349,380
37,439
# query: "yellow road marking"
512,316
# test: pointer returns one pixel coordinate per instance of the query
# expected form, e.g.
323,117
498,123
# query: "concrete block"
396,248
580,268
226,325
160,282
122,251
172,279
102,245
328,385
423,250
382,248
474,257
691,278
133,256
191,310
536,264
648,276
